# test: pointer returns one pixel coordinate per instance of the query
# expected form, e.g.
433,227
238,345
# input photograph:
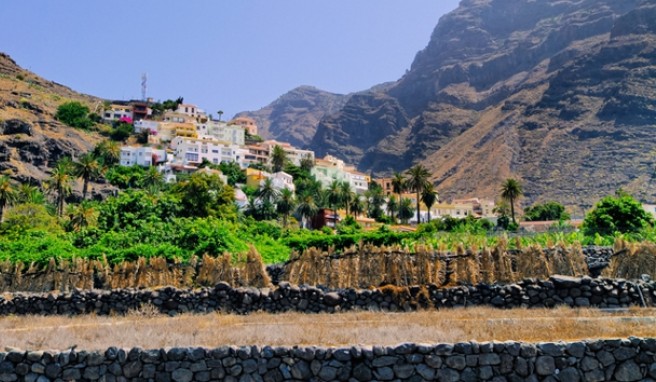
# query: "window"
191,157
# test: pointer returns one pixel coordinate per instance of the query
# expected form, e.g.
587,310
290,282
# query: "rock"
301,370
545,365
361,372
332,298
182,375
628,371
384,374
16,126
456,362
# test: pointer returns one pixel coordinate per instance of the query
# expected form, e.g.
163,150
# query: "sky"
229,55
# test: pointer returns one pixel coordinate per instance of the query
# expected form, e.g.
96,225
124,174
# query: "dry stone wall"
632,359
558,290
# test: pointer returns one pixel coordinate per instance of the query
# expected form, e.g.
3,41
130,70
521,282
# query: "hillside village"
180,140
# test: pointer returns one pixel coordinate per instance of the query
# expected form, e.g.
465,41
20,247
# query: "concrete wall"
632,359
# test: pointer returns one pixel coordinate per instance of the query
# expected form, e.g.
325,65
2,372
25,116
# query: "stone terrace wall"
632,359
558,290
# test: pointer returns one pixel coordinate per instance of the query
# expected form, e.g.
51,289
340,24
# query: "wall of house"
631,359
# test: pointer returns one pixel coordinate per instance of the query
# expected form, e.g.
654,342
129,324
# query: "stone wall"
631,359
558,290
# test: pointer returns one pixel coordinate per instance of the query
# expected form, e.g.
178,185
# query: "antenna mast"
144,86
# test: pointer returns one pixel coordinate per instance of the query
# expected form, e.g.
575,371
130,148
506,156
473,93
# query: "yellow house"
254,177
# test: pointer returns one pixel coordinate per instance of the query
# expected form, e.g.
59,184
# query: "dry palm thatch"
632,260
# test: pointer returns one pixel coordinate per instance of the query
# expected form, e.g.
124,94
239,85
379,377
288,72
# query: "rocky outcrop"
31,139
295,115
549,92
632,359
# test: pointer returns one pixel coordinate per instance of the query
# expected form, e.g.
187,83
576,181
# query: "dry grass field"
147,330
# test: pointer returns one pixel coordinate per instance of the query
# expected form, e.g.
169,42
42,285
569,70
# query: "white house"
281,180
116,112
193,150
221,131
141,156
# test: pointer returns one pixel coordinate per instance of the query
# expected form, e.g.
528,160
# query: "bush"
617,214
546,212
74,114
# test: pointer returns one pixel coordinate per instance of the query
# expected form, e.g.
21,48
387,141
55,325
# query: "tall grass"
247,270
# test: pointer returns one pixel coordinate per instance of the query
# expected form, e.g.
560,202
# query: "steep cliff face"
560,94
295,115
31,140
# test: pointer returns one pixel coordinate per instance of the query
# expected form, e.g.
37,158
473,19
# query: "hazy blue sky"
232,55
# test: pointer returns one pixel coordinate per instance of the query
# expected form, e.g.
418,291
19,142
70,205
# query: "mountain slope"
31,140
295,115
560,94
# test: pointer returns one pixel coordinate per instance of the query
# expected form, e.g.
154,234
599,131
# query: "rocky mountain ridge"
31,139
559,94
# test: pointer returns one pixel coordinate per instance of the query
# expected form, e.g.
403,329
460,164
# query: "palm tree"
357,206
429,197
7,193
109,152
152,179
220,113
278,158
398,184
268,196
285,205
405,210
334,195
511,189
28,194
81,216
88,169
307,163
417,180
306,208
347,195
59,183
392,206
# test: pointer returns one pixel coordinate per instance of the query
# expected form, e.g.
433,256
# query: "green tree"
204,195
285,205
233,172
405,211
306,208
546,212
278,158
267,197
60,183
152,179
122,131
334,195
392,206
7,193
108,152
620,213
398,184
375,197
347,195
26,193
417,181
511,190
82,215
87,168
429,197
307,163
74,114
357,206
29,216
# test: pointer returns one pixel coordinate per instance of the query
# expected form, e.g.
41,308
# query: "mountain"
31,139
295,115
560,94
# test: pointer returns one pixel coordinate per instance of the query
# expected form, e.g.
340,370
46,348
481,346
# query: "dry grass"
143,273
147,330
365,266
633,260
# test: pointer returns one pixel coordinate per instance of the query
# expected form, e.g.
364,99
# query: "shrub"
617,214
545,212
74,114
